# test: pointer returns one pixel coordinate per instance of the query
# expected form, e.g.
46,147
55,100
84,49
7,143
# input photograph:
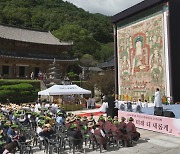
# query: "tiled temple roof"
32,36
109,63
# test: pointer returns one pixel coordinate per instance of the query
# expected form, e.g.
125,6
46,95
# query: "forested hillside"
92,33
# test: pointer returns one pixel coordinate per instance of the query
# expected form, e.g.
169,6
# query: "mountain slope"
55,15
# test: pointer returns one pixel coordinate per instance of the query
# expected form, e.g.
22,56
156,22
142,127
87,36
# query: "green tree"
88,60
84,43
72,76
106,51
103,81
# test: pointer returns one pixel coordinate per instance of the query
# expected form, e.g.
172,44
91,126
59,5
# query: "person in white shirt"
39,129
55,106
145,103
89,103
47,105
157,100
116,103
104,98
52,105
139,103
158,109
32,75
93,103
22,118
37,106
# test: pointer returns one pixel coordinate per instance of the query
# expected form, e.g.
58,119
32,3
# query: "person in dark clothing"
131,129
32,120
64,112
78,123
1,147
91,119
76,136
13,133
2,136
2,141
2,122
122,126
10,148
10,116
5,128
100,133
47,131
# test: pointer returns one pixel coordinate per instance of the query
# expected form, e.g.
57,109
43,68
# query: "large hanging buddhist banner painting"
141,60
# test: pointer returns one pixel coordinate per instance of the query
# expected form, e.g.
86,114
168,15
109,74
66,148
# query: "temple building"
23,51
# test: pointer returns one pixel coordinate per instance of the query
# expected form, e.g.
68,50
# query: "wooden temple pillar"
14,70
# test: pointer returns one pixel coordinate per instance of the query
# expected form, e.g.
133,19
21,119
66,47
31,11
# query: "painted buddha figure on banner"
139,56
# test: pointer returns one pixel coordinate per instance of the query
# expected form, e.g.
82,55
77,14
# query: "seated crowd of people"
47,121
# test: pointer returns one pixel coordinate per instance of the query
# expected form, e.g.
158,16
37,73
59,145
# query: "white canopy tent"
64,90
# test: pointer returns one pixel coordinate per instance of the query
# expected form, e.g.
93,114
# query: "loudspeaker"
158,111
112,112
169,114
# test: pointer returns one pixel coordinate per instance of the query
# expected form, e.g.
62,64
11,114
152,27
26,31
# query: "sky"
106,7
